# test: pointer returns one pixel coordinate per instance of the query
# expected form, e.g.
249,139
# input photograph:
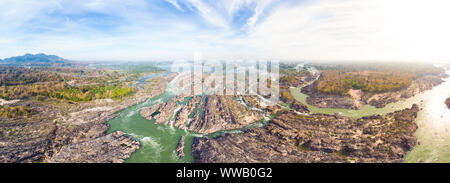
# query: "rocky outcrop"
112,148
180,147
203,114
25,142
447,102
88,123
291,137
287,98
299,107
328,101
222,113
254,102
188,113
149,112
161,112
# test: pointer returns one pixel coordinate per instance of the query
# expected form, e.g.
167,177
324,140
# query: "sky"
142,30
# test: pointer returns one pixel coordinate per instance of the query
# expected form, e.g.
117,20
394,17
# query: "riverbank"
73,132
202,114
113,148
433,131
157,141
87,126
366,109
433,124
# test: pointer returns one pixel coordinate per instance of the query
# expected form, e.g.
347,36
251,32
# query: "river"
158,142
433,121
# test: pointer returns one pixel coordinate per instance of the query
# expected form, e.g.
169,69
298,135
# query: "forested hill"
36,60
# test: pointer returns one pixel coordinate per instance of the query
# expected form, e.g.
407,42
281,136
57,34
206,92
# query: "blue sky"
230,29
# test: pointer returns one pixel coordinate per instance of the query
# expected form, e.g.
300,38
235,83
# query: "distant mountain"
36,60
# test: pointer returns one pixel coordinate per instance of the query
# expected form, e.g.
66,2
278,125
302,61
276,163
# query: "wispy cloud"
175,4
171,29
356,30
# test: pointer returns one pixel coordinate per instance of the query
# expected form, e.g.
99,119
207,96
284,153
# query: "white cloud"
209,13
318,30
14,13
175,4
222,13
259,8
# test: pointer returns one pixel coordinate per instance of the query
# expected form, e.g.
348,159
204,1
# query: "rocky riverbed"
73,132
112,148
291,137
203,114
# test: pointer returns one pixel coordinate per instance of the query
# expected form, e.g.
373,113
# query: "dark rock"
218,113
299,107
72,133
180,147
316,138
328,101
112,148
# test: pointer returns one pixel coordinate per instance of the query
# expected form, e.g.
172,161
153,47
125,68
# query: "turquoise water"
158,142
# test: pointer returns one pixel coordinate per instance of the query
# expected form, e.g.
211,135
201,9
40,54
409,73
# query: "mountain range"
40,59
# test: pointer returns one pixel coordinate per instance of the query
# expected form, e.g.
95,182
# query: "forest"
20,76
370,78
62,90
339,83
418,69
89,93
34,84
62,83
